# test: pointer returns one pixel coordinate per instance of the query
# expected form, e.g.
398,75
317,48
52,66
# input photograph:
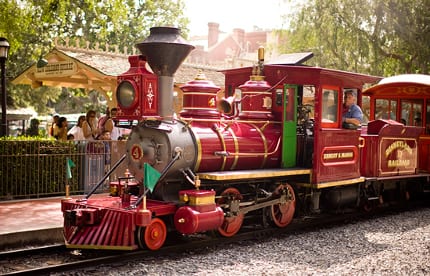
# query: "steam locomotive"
270,148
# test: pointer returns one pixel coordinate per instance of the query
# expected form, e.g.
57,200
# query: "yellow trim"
361,142
257,93
184,198
199,150
222,120
252,174
194,200
200,108
332,183
200,93
256,111
224,148
203,200
263,138
108,247
236,149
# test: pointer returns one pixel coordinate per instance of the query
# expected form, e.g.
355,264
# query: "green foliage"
32,25
41,98
43,161
367,36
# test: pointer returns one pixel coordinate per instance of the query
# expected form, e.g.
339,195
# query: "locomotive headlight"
126,94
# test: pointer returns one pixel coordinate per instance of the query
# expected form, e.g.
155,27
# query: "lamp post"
4,49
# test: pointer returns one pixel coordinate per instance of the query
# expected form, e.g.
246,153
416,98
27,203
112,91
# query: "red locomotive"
272,148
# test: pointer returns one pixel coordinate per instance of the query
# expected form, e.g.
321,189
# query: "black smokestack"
165,50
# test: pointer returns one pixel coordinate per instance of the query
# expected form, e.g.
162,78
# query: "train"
268,148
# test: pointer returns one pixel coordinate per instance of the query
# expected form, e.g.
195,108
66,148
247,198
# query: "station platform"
34,221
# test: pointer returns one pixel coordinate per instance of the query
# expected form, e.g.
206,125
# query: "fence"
33,169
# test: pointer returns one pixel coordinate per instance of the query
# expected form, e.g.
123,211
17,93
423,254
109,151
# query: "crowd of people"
88,127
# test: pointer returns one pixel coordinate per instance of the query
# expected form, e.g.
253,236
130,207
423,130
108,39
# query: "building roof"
95,70
293,58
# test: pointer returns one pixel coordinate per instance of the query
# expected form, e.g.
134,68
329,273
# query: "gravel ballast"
390,245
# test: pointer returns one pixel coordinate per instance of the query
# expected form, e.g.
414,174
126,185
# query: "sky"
231,14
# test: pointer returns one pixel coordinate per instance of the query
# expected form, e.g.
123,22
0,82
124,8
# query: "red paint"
239,145
338,158
144,82
200,98
390,148
103,222
256,99
189,221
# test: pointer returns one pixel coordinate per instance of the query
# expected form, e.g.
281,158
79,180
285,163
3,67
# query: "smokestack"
165,50
213,34
239,35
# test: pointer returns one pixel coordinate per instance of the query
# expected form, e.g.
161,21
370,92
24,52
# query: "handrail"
106,176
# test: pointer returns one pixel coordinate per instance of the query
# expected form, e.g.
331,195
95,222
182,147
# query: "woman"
53,130
77,131
62,129
89,126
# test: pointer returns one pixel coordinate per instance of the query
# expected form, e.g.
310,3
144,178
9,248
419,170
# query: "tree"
32,25
367,36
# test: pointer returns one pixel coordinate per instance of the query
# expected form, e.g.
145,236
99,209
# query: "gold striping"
254,112
333,183
263,138
252,174
222,141
200,93
257,93
204,200
236,149
200,108
94,246
225,121
194,200
199,150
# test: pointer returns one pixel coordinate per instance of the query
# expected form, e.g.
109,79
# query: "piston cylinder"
189,221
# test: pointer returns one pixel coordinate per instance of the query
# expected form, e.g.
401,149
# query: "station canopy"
94,69
75,67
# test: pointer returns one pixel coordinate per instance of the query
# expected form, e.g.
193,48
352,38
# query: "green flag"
150,177
69,166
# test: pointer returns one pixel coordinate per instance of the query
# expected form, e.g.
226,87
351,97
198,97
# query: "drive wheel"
152,236
369,207
282,214
232,221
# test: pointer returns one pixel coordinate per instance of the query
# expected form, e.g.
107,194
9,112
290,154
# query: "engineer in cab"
352,116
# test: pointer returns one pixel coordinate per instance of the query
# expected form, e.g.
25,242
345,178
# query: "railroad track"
60,259
30,250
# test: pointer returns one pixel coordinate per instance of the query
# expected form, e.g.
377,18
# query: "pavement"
34,221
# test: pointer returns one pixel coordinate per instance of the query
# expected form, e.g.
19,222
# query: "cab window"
330,104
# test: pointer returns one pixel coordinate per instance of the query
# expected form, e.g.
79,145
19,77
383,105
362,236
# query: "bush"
34,165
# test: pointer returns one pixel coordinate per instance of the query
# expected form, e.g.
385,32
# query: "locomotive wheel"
372,205
369,207
152,236
231,224
282,214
